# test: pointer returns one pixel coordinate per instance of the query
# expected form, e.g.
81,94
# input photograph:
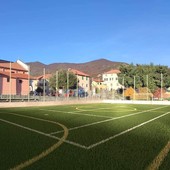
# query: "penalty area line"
107,120
126,131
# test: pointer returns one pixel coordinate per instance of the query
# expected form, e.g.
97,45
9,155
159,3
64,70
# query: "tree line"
151,76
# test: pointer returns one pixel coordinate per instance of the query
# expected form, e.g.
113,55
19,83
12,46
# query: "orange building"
14,79
83,79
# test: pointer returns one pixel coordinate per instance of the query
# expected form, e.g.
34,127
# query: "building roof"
15,75
77,72
14,66
113,71
47,76
98,80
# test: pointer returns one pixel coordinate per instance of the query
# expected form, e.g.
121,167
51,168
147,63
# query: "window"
20,81
8,79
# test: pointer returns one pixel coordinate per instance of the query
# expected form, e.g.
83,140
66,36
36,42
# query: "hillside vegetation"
93,68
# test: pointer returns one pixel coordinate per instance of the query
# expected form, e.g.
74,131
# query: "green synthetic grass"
90,143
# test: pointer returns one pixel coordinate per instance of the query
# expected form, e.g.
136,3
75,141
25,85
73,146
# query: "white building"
110,79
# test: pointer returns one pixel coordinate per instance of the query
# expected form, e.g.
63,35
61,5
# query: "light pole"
123,82
28,83
56,94
44,86
161,84
67,92
147,85
77,86
134,93
134,88
10,82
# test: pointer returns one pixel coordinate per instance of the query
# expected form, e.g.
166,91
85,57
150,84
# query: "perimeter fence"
39,89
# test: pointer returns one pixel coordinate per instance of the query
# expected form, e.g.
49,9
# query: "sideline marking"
47,151
159,158
93,145
107,120
126,131
39,132
77,113
106,110
103,141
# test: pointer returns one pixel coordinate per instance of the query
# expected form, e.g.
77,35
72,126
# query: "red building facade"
14,79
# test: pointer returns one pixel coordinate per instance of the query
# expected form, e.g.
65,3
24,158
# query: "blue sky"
77,31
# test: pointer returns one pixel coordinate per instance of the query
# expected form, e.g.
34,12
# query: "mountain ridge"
93,68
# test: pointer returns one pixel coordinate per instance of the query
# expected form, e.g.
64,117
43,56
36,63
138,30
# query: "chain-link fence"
39,89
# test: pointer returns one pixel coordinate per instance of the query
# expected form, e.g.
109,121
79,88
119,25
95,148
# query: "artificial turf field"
85,137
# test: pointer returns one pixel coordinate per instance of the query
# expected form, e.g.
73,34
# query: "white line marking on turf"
77,113
27,128
45,152
106,109
39,132
93,145
86,125
126,131
103,121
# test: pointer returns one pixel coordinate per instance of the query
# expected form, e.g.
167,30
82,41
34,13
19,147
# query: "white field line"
106,109
103,121
27,128
126,131
77,113
82,126
77,144
39,132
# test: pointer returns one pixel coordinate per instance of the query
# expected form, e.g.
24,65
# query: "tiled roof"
113,71
14,66
15,75
97,80
47,76
77,72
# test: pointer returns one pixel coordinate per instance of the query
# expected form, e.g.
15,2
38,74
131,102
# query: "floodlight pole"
10,82
28,83
134,89
77,85
56,94
67,92
123,88
147,85
161,84
44,86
